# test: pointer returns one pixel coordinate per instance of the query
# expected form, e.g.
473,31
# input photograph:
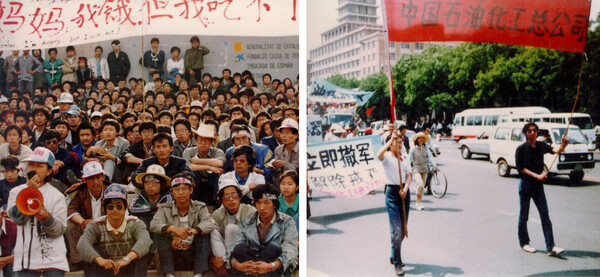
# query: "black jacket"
175,165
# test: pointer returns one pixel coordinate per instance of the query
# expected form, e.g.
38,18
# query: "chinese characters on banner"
325,92
315,129
554,24
347,168
44,24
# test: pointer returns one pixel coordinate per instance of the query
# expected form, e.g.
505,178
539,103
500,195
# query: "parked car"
576,160
479,145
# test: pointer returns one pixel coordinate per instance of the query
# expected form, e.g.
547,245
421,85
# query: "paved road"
472,231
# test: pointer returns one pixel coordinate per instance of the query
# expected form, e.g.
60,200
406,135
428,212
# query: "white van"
471,123
577,158
582,120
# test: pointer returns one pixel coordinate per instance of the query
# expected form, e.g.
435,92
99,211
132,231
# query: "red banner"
554,24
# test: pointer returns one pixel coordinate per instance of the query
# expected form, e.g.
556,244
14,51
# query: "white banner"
28,24
347,168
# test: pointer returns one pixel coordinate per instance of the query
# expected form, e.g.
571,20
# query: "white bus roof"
541,125
505,111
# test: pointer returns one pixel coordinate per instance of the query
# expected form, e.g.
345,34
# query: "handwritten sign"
323,91
315,129
554,24
347,168
44,24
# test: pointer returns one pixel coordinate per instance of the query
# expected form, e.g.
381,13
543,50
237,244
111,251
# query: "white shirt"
46,252
96,205
390,166
175,64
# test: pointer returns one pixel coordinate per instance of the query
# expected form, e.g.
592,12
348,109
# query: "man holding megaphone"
40,212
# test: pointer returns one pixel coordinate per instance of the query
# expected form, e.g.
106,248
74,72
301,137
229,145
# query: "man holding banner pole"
397,196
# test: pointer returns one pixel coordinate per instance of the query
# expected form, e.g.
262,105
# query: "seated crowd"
181,174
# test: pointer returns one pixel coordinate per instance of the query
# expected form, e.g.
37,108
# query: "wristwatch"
126,259
272,266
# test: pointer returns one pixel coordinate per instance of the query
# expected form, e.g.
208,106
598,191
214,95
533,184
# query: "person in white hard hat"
286,155
85,206
228,218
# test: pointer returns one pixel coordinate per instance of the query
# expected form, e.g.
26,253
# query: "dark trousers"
197,76
137,268
539,198
195,258
266,253
393,204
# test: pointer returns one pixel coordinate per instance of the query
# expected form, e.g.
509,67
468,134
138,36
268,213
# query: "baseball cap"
96,114
74,110
92,168
65,98
41,155
227,182
196,103
115,191
3,99
289,123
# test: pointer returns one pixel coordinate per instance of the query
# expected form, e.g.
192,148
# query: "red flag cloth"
369,111
554,24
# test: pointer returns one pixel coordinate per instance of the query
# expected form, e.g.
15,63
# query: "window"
393,56
392,44
502,133
517,135
474,120
491,120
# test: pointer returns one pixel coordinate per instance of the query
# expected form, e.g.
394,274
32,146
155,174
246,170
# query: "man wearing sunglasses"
530,164
115,244
183,227
228,218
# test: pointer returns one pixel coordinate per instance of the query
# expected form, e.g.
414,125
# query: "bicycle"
436,183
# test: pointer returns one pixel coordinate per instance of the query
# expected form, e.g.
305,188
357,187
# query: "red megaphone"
30,201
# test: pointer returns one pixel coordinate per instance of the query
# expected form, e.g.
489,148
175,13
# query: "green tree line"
442,81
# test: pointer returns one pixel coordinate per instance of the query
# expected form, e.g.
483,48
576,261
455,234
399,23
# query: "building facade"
355,48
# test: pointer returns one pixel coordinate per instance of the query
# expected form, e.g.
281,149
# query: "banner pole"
389,66
393,111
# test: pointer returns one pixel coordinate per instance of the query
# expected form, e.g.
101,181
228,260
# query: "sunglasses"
233,196
240,160
50,142
115,207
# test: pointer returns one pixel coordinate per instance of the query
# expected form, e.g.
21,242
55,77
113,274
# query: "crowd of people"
185,172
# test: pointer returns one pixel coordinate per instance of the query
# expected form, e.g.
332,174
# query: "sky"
322,15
